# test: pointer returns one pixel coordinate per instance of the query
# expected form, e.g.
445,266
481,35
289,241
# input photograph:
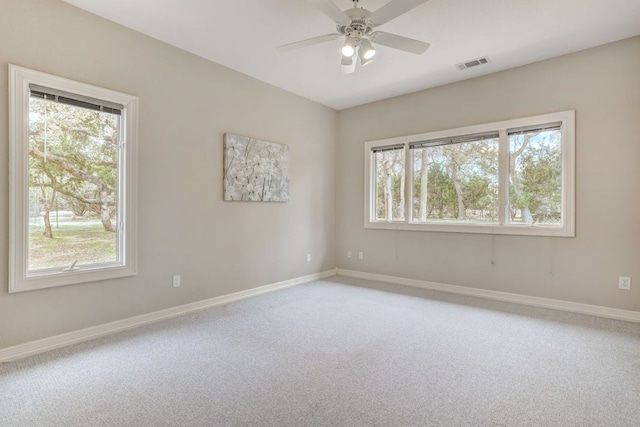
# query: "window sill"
514,230
50,279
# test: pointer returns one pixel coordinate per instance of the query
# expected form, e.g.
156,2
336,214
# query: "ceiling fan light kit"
367,49
357,25
349,48
364,61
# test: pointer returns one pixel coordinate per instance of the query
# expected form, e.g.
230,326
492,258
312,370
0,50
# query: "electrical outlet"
176,281
348,254
624,283
308,257
360,255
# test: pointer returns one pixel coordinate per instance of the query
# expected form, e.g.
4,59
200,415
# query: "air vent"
473,63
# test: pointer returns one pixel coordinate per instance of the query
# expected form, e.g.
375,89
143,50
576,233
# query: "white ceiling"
243,35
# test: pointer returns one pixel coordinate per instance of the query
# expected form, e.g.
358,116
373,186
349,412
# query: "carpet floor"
340,352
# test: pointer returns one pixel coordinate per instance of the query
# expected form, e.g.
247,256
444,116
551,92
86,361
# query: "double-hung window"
511,177
72,183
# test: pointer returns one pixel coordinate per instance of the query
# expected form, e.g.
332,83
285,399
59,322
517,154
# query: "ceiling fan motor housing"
359,26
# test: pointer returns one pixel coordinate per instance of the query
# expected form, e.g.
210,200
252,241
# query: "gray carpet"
340,352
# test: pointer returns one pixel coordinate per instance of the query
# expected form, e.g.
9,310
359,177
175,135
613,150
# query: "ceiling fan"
357,25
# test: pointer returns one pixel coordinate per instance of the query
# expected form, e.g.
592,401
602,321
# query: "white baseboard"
573,307
34,347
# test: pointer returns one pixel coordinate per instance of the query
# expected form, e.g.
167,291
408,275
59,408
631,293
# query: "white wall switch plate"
360,255
176,281
348,254
308,257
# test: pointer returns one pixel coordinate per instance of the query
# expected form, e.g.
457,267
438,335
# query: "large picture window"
512,177
72,182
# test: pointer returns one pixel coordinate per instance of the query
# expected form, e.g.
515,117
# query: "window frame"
565,229
19,80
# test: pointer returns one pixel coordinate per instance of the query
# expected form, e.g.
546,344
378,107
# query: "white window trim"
19,80
566,229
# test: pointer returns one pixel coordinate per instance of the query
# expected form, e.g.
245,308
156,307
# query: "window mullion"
372,189
503,178
408,187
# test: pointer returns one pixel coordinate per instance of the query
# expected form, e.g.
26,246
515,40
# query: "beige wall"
186,104
603,86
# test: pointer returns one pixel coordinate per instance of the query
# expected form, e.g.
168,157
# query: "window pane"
456,182
73,182
535,177
390,182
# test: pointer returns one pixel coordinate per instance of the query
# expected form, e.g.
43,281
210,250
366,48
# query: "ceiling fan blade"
332,11
394,9
399,42
308,42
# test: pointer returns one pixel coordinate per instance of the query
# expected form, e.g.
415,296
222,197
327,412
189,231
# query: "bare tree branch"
72,195
71,168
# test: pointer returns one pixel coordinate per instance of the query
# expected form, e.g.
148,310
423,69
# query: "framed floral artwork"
255,170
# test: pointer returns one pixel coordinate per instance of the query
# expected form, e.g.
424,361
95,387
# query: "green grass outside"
85,241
